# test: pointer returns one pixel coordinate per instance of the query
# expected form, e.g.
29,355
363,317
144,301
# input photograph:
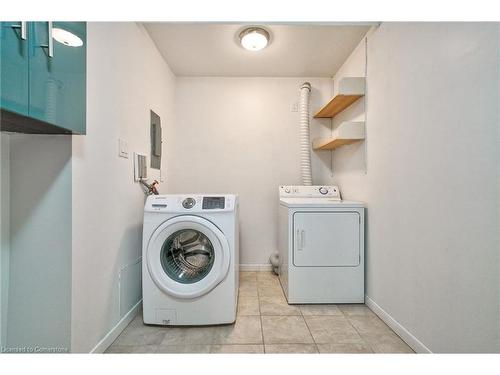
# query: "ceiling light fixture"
67,38
254,38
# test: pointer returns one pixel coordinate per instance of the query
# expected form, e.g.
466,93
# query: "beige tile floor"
265,323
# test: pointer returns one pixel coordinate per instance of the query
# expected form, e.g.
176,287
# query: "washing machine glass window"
179,273
187,256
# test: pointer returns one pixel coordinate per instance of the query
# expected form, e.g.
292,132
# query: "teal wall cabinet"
14,67
51,95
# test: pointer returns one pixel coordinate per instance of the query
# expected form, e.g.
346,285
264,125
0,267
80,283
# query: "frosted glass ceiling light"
66,38
254,38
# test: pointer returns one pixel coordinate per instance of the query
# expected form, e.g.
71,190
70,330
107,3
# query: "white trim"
116,330
256,267
401,331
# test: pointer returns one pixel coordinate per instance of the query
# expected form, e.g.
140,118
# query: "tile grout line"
377,318
303,318
344,314
260,315
309,329
357,331
262,283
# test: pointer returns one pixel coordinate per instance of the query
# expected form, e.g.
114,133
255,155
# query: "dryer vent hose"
274,259
305,142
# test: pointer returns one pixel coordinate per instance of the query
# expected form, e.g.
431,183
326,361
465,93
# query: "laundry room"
237,187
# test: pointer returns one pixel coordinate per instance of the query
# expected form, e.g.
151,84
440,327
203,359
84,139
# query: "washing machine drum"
188,256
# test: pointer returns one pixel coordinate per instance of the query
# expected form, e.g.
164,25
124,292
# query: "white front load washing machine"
321,246
190,259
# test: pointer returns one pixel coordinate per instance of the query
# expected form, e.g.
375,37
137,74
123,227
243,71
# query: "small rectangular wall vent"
130,286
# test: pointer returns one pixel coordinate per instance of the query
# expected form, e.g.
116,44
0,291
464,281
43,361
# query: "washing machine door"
188,256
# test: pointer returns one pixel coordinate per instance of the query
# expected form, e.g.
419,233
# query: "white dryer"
190,259
321,246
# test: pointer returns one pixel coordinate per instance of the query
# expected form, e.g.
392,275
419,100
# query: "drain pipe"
305,142
274,259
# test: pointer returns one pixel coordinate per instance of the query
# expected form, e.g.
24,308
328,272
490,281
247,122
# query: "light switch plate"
122,149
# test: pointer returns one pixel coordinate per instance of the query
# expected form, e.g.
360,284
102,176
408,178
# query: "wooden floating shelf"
345,134
350,90
332,143
336,105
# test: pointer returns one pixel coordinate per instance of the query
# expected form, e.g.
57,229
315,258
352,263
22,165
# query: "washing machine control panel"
213,203
190,203
287,191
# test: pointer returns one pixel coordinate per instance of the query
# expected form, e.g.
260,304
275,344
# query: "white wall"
126,77
4,234
39,298
238,135
350,161
432,184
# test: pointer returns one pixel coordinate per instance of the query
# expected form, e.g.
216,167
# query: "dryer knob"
323,190
188,203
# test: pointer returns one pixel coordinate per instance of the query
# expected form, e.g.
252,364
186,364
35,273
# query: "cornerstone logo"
33,349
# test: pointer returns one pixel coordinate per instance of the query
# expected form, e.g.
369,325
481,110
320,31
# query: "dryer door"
326,239
187,256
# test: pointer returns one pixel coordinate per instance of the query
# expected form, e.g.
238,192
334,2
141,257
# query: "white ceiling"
197,49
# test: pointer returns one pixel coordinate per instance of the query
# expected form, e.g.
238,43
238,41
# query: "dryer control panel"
323,191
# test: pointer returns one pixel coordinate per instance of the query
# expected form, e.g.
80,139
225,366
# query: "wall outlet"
294,107
122,149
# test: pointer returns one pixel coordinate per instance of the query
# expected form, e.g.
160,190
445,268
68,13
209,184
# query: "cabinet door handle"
51,40
50,45
302,239
299,241
23,29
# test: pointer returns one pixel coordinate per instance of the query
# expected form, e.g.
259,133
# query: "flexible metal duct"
305,151
305,142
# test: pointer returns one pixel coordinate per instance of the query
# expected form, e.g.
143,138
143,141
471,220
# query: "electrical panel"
156,141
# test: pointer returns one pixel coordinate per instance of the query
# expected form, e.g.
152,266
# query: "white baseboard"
256,267
401,331
116,330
